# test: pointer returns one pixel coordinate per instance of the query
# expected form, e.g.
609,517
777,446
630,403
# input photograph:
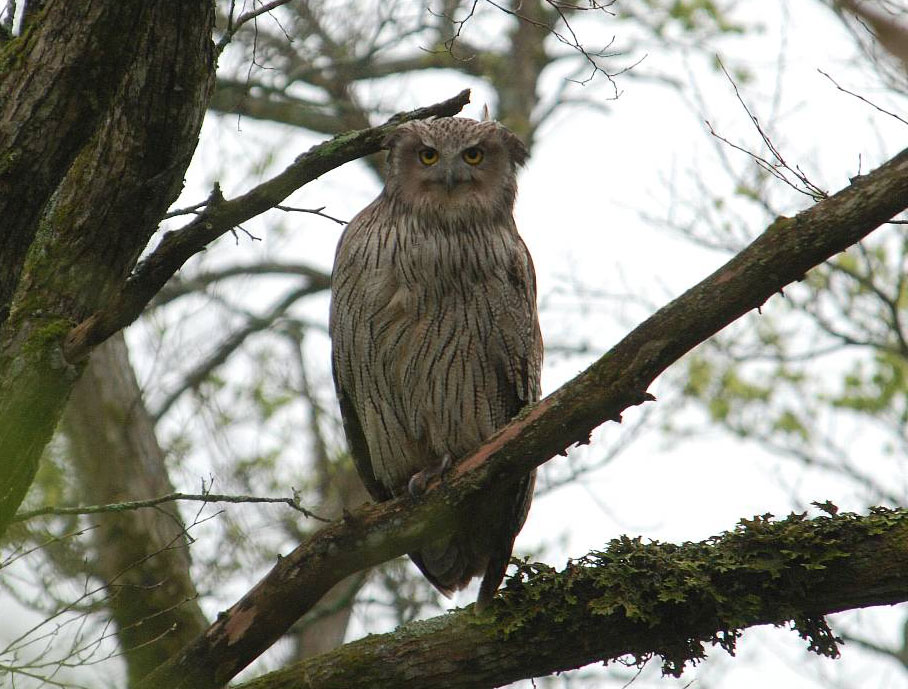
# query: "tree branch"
254,100
640,600
178,286
254,324
220,216
376,533
154,502
235,25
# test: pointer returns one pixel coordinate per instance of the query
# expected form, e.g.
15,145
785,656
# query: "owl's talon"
417,484
444,466
420,480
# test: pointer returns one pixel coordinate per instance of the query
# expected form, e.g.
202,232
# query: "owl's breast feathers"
435,345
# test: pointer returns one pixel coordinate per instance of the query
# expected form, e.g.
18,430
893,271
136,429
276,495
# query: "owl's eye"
472,155
428,156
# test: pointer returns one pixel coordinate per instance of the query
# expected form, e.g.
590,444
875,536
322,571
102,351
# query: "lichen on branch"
636,600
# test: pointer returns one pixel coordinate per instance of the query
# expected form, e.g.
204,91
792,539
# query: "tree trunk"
84,180
142,555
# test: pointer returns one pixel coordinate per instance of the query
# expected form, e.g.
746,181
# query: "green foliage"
788,422
684,596
729,392
875,386
694,16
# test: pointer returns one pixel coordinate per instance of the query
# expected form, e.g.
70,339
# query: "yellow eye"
428,156
472,155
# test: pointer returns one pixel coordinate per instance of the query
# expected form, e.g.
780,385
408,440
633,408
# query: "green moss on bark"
762,570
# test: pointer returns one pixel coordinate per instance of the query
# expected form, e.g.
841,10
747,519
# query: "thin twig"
186,211
314,211
172,497
778,168
860,97
234,26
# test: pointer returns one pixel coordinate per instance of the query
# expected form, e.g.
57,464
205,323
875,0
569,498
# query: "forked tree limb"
221,216
782,254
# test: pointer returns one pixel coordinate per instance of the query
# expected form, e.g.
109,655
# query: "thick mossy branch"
638,600
762,571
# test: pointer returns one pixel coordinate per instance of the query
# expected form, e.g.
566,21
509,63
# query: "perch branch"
636,600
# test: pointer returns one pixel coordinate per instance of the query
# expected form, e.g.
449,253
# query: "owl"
435,335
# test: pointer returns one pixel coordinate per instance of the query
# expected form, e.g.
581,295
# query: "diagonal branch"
254,324
785,251
220,216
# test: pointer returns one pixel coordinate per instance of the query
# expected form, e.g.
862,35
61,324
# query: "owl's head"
455,167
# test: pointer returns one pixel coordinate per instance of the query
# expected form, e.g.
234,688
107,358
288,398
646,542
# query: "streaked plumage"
435,336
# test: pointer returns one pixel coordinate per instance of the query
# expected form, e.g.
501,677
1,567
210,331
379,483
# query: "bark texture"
782,254
638,600
142,555
83,184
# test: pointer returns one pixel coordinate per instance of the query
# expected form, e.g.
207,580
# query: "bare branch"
569,37
211,498
179,286
245,18
221,216
194,209
223,351
314,211
860,97
780,167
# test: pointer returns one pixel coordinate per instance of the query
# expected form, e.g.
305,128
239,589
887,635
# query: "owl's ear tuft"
392,138
414,127
515,147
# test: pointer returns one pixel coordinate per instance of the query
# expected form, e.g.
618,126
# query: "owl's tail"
447,565
483,547
491,580
451,564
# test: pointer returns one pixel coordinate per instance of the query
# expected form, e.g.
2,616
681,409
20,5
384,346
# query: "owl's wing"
519,379
358,446
346,307
518,386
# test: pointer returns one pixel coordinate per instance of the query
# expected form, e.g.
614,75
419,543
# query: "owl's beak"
454,176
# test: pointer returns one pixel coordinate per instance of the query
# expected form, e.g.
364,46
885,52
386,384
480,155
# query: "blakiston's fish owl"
435,336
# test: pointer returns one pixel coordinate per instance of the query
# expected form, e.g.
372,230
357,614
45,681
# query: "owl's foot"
420,480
